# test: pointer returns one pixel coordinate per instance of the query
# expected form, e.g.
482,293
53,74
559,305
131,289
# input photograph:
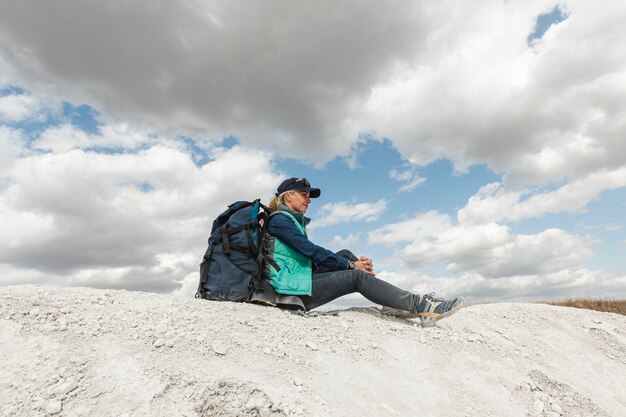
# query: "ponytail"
274,202
277,200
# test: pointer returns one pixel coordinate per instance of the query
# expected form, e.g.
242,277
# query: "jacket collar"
298,216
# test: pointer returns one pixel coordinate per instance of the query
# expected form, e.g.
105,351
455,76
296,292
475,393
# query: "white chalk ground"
87,352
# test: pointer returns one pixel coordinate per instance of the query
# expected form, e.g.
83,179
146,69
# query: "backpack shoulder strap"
204,270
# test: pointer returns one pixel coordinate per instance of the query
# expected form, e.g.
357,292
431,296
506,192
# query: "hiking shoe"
431,309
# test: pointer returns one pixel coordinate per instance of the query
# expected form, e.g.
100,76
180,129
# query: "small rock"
219,348
78,361
65,387
169,343
312,346
267,351
297,382
159,343
54,407
49,328
38,403
556,408
255,403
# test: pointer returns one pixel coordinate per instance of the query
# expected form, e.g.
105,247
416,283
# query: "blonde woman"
317,276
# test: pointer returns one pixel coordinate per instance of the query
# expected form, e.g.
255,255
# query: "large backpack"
233,264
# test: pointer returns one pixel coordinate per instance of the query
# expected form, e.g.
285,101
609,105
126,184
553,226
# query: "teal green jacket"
295,275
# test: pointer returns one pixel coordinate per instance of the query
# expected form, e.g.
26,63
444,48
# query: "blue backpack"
233,264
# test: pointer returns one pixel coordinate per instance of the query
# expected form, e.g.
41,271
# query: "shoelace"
431,297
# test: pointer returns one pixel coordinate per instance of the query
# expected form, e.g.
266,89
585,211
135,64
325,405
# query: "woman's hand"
365,264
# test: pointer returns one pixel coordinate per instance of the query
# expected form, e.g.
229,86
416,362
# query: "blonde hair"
277,200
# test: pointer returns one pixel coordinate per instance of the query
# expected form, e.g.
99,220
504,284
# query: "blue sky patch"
229,142
9,90
82,116
146,187
544,22
199,155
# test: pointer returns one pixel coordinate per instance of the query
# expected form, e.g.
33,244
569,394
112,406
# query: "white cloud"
421,226
334,213
349,241
11,143
405,175
495,203
18,107
67,137
492,251
489,249
252,70
575,282
613,227
408,177
479,93
89,219
453,80
468,87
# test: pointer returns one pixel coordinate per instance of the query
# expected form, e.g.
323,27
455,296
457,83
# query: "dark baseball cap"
298,184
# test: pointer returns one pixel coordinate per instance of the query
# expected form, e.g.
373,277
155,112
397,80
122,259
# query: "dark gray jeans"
330,285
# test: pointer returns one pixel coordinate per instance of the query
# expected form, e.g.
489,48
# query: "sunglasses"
303,181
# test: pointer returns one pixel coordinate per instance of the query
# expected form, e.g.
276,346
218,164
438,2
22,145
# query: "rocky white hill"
87,352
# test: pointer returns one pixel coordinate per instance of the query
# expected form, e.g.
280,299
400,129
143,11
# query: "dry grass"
610,306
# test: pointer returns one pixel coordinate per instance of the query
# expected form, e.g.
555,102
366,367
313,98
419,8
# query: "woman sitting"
317,276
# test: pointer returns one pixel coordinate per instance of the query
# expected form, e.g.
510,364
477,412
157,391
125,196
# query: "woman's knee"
345,253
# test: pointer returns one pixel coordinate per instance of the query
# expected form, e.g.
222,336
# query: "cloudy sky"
469,148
